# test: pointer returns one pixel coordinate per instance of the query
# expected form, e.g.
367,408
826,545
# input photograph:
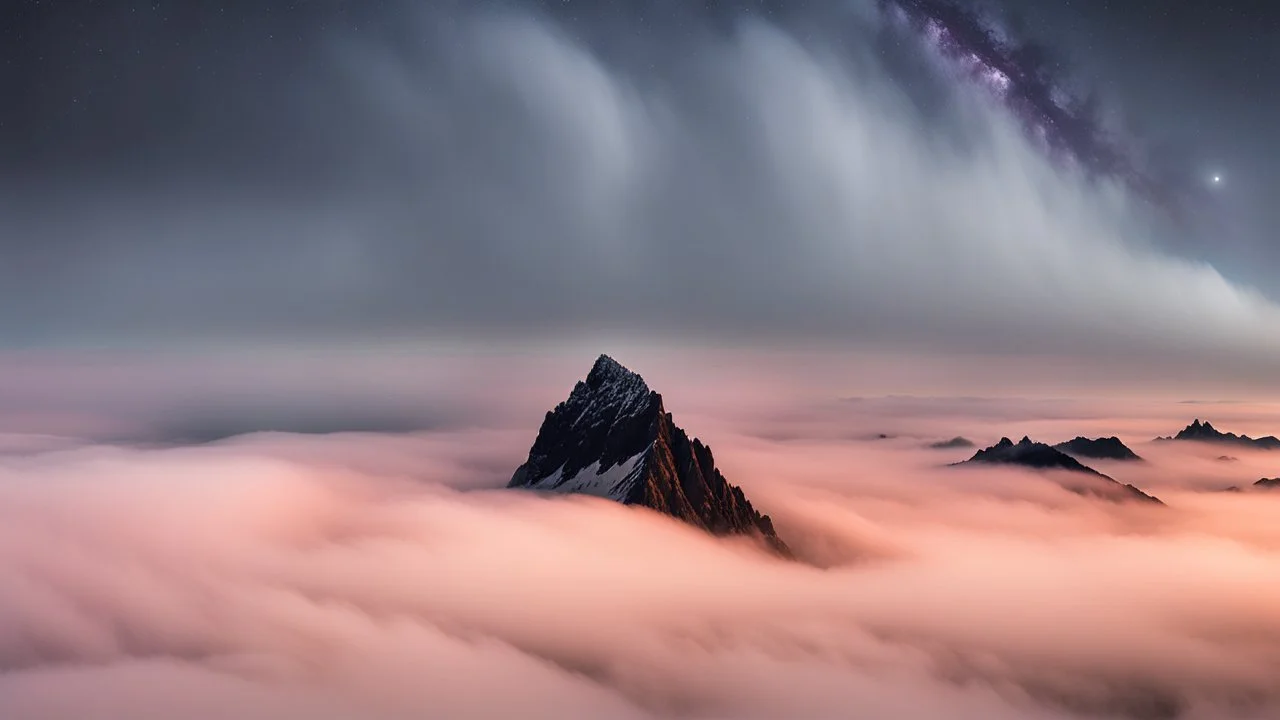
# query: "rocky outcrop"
1100,449
1039,456
1206,432
955,443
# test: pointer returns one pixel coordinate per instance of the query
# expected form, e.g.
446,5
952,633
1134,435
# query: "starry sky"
741,171
1194,81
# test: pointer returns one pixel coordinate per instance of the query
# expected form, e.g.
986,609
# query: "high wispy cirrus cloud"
501,170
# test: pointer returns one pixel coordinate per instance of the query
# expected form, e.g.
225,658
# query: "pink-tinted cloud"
283,576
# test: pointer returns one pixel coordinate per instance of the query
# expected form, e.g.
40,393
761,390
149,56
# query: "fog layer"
386,576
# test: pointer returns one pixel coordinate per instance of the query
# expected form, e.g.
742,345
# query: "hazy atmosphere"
287,289
822,173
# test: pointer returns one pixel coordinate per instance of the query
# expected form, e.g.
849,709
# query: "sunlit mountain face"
901,359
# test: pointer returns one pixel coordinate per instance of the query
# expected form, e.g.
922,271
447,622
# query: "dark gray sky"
1196,83
196,172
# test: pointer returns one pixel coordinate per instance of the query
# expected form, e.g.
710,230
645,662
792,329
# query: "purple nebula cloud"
1024,77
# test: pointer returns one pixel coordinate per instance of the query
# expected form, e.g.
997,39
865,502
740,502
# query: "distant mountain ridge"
1206,432
1029,453
1039,456
1100,449
612,438
1263,484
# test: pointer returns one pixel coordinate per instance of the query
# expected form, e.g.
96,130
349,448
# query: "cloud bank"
504,171
377,576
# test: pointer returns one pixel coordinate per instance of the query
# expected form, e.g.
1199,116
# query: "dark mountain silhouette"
1100,449
612,439
1263,484
1206,432
1030,454
1039,456
954,443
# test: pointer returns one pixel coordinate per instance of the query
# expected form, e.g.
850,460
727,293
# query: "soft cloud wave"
281,576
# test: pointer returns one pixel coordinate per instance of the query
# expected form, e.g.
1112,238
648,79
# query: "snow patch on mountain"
614,482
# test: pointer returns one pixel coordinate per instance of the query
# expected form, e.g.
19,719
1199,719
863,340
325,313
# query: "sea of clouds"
378,575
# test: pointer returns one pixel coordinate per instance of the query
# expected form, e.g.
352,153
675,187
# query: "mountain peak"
1030,454
1206,432
606,369
954,443
1038,456
612,439
1109,448
610,395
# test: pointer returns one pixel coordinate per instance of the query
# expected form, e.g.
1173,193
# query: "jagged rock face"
1039,456
606,424
1206,432
1101,449
613,439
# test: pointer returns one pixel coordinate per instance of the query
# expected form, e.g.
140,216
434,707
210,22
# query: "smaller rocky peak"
1107,448
1198,430
1206,432
954,443
1038,456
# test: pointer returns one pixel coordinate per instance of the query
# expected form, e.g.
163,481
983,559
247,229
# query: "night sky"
180,171
287,290
92,84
